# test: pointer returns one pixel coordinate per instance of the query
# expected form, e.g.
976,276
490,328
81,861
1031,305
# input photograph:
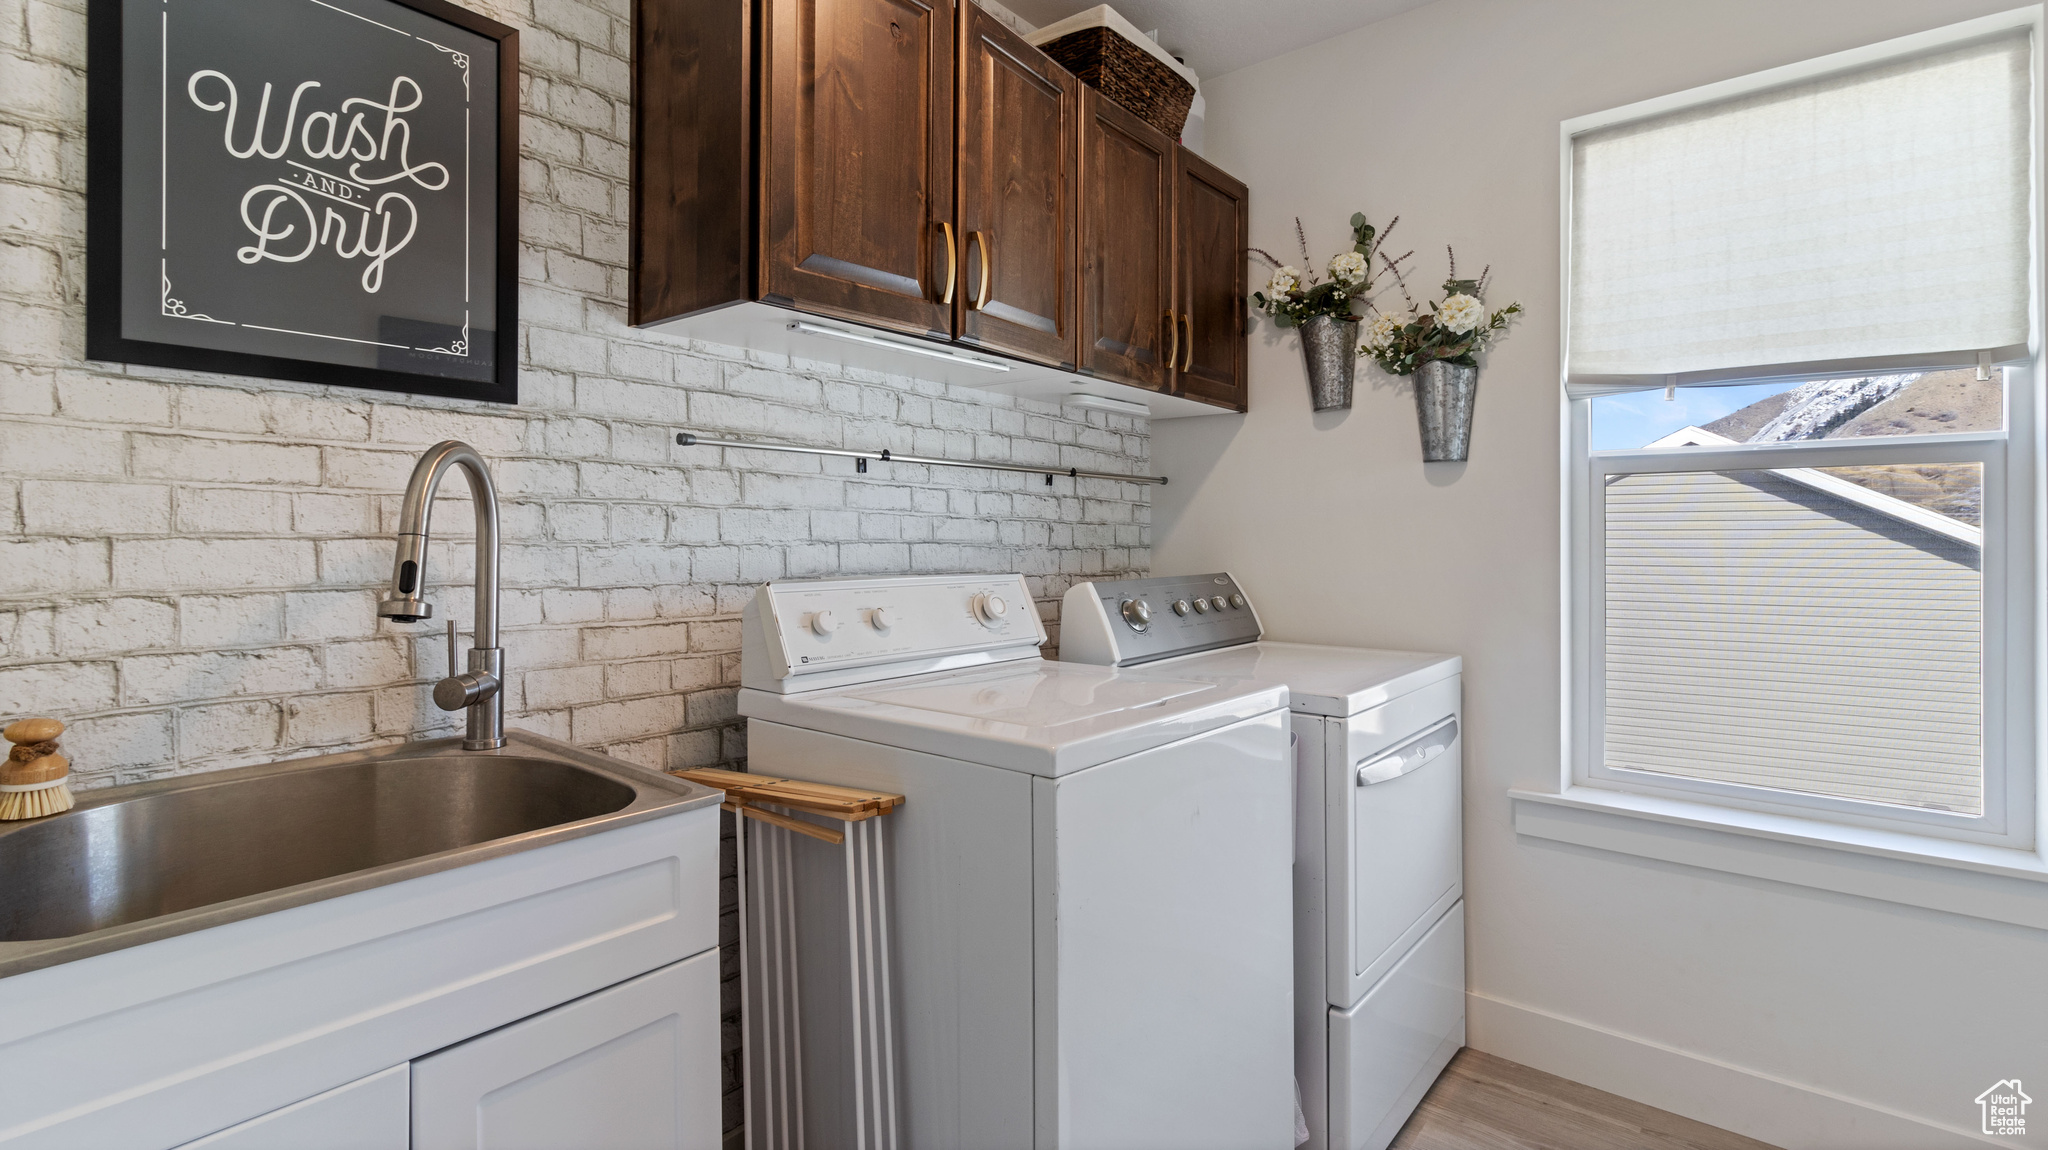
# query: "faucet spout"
479,691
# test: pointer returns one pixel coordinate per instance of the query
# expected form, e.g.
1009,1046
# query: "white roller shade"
1868,219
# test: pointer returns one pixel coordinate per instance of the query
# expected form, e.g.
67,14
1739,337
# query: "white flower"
1348,268
1460,313
1381,331
1284,280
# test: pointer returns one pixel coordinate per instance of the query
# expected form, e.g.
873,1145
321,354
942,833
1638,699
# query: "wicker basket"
1127,74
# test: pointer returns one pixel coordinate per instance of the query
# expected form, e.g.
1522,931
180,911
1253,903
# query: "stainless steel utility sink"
133,864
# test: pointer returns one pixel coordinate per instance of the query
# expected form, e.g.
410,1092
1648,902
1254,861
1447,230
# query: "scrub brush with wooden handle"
32,780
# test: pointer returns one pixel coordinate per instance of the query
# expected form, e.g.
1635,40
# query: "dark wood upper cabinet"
1128,326
915,168
1211,231
693,223
857,159
1018,136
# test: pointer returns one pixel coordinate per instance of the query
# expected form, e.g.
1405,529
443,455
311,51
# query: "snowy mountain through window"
1923,403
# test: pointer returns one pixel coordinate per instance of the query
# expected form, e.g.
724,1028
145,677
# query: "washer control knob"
824,623
1180,606
990,609
1201,606
881,618
1137,613
1217,603
1237,601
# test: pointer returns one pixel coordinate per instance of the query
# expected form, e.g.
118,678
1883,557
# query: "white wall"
1794,1015
190,563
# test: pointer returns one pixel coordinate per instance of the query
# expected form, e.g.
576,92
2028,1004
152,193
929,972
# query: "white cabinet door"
634,1067
368,1114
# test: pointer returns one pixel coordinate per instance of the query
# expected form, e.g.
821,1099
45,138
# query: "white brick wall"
187,562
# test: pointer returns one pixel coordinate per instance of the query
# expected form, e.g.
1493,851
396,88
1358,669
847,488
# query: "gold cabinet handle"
1189,362
952,263
987,257
1173,331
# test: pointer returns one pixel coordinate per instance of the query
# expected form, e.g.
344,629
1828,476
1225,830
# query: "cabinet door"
1127,169
1020,119
1211,229
857,168
367,1114
631,1067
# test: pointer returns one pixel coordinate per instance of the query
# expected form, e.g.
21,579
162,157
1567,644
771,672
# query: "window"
1801,469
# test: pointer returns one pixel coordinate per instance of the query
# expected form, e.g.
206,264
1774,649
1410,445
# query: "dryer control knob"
881,618
1180,607
990,609
1216,603
1201,606
1237,601
824,623
1137,614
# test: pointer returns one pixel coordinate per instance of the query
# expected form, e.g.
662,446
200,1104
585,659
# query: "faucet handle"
462,688
465,690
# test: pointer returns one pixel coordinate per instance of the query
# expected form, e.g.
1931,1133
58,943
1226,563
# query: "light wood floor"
1488,1103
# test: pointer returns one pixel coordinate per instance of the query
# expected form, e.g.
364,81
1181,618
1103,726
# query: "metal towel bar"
691,439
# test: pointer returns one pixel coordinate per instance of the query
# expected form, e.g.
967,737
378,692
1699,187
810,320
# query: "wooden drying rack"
743,790
769,992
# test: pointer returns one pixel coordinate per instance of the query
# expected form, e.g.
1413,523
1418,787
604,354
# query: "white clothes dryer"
1088,877
1378,867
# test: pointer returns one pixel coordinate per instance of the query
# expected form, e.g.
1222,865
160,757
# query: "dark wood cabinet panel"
1211,229
1018,140
1127,314
692,151
857,158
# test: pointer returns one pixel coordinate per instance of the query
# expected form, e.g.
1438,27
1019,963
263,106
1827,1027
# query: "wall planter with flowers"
1440,347
1322,309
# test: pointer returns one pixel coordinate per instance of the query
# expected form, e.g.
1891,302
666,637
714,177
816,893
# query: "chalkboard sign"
320,190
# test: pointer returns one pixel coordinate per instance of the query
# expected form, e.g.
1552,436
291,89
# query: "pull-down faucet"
480,690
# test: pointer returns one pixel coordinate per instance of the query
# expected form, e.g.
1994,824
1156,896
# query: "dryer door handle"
1410,756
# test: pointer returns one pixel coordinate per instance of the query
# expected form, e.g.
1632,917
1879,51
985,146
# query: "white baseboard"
1749,1102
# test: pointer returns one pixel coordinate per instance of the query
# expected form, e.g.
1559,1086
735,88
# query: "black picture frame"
109,75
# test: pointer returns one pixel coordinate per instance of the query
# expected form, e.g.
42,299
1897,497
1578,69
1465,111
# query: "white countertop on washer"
1045,718
1321,680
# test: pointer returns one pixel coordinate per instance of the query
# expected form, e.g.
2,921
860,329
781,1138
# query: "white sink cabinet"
635,1065
561,996
632,1065
373,1113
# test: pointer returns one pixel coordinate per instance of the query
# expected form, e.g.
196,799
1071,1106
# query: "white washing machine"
1088,878
1378,871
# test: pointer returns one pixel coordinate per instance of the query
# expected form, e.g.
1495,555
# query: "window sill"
1996,883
